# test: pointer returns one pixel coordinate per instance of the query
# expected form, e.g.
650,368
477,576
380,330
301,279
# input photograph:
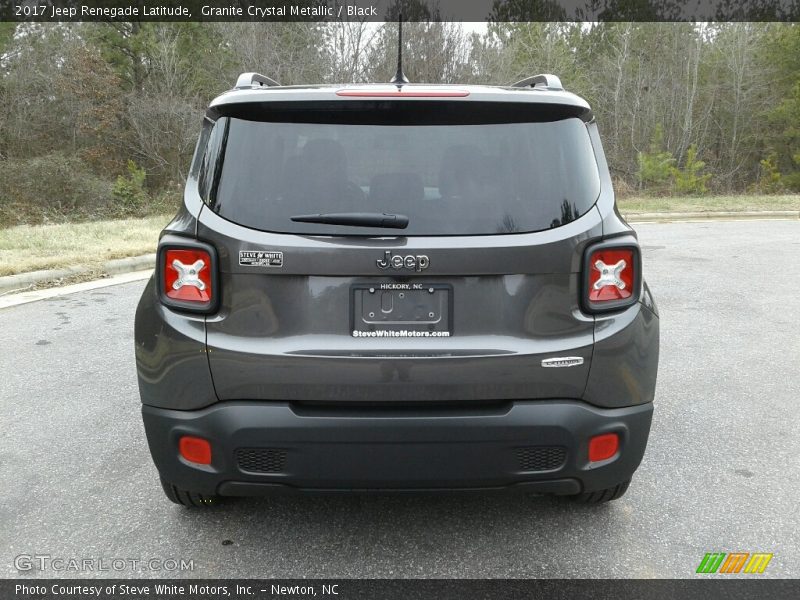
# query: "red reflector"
404,94
195,449
602,447
187,275
611,275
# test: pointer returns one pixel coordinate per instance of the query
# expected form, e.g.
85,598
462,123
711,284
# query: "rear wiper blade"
357,219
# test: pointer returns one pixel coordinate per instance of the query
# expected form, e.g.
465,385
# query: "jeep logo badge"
412,262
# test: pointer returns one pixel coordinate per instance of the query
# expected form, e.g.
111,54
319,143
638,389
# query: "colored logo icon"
735,562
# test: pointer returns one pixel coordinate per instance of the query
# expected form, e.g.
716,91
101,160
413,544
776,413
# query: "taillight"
612,277
187,275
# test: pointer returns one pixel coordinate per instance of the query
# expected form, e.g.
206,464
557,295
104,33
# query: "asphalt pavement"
721,472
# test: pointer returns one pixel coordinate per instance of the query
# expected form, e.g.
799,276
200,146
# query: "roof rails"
254,80
544,81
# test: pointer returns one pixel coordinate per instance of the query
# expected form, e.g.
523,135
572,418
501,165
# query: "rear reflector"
603,447
195,450
401,93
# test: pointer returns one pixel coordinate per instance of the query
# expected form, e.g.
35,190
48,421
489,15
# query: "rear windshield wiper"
356,219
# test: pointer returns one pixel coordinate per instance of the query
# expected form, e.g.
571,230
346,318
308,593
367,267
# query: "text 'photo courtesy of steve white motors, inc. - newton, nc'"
142,590
158,10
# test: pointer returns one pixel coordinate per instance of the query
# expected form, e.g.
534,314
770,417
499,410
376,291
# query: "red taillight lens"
603,447
612,274
195,449
188,275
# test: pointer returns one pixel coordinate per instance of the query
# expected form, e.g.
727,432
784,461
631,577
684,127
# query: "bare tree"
349,42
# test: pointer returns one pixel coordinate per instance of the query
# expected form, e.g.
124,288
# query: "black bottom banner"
405,589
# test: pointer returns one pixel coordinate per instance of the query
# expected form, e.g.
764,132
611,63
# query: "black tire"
187,498
602,496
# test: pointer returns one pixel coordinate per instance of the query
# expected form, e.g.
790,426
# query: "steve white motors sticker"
260,259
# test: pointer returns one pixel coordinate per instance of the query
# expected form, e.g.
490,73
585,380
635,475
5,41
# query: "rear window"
448,179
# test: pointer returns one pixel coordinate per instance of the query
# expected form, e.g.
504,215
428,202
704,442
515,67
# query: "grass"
631,205
33,247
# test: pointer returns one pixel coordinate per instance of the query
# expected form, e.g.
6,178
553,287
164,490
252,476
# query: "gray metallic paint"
625,359
171,358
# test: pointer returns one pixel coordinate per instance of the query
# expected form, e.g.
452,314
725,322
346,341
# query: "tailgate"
301,316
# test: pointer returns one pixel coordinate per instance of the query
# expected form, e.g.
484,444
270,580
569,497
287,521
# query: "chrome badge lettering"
563,361
418,262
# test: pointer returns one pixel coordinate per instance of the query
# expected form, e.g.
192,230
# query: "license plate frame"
410,308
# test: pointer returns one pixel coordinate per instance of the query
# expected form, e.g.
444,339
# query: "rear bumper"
260,447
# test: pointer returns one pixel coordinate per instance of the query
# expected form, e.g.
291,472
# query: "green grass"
708,203
33,247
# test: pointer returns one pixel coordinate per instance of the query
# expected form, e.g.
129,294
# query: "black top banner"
388,10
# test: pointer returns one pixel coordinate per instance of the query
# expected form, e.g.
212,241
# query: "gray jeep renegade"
397,287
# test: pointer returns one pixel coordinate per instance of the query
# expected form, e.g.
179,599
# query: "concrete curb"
113,267
636,217
25,297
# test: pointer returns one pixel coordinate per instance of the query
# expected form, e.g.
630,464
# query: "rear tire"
602,496
187,498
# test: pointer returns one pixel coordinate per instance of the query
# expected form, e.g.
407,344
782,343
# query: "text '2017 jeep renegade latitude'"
397,287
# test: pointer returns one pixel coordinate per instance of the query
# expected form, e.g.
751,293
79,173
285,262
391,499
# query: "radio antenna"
399,77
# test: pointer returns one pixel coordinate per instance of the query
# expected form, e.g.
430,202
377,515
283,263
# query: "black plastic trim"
410,450
558,487
390,111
